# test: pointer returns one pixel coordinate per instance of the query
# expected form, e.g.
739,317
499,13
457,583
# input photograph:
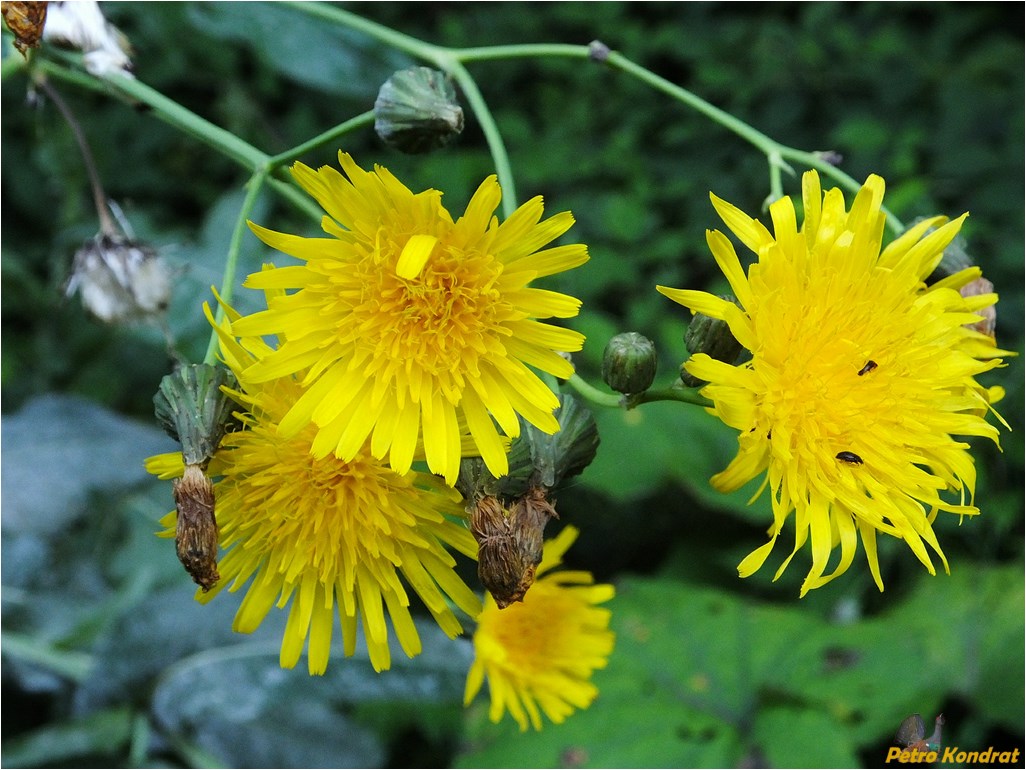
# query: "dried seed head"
120,280
196,531
82,26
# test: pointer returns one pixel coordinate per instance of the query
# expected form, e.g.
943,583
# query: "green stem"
774,150
528,50
592,394
601,398
684,395
296,197
448,60
500,158
397,40
166,110
329,136
254,187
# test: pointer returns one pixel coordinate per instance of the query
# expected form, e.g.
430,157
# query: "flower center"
440,321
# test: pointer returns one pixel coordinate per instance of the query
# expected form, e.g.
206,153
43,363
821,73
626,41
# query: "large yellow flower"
408,325
328,535
540,653
860,375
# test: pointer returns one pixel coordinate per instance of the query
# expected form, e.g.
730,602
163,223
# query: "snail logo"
910,734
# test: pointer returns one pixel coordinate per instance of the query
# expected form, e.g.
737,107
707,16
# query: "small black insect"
849,457
870,366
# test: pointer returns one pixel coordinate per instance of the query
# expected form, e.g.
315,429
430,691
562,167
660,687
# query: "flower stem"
592,394
166,110
493,136
254,187
448,60
327,137
107,226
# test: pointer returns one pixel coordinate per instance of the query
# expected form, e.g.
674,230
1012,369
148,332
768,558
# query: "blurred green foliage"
112,663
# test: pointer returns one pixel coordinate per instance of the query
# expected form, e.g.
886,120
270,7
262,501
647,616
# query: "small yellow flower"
407,325
331,536
861,376
539,654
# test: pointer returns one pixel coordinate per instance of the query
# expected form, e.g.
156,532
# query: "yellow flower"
408,325
328,535
541,652
860,375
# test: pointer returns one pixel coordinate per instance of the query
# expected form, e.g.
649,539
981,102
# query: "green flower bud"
629,363
194,411
416,111
712,337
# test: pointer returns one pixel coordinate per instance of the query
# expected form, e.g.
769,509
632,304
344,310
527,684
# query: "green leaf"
233,700
101,734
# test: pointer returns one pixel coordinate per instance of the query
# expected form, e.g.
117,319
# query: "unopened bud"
120,279
629,363
416,111
712,337
510,543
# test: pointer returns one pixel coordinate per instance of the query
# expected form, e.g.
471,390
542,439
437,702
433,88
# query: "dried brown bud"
510,543
196,533
26,21
989,314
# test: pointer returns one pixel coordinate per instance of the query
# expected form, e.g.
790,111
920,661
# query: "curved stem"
601,398
448,60
107,226
387,35
592,394
166,110
254,187
500,158
684,395
364,119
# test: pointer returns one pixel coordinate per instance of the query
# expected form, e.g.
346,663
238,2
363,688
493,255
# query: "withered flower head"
196,530
26,21
120,279
510,543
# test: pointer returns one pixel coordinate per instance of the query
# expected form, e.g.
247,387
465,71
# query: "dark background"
110,661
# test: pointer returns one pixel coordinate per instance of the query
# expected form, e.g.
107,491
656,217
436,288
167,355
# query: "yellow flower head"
407,325
541,652
328,535
859,379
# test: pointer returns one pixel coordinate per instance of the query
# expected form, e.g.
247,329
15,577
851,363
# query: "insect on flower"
870,366
849,457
